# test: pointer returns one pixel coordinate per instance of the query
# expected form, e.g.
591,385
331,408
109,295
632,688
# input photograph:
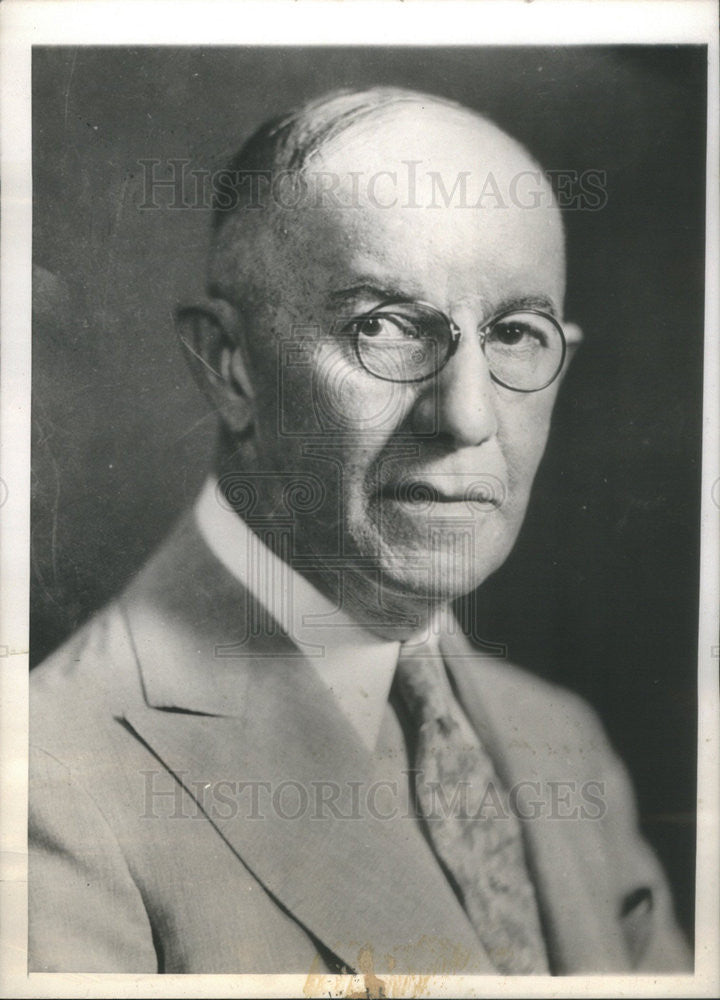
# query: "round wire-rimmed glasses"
400,341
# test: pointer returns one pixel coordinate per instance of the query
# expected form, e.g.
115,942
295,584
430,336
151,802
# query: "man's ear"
211,335
573,339
573,334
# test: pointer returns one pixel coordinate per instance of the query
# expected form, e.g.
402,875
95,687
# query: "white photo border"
28,23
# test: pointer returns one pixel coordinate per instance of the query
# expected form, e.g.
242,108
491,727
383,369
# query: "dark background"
601,592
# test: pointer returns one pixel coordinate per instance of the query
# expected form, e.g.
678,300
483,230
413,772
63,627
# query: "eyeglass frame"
455,335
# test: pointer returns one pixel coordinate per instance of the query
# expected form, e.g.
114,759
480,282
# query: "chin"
436,555
443,568
444,582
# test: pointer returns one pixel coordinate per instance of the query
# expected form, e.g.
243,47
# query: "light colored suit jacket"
154,727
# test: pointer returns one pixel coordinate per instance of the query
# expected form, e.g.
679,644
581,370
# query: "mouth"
481,492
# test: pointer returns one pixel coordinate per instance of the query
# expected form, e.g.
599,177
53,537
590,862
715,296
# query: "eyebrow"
541,302
369,290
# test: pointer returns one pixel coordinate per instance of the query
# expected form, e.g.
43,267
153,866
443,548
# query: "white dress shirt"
356,665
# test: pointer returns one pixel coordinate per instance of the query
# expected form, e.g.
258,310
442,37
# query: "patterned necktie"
475,834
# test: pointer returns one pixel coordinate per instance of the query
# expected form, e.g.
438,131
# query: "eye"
371,326
518,333
383,327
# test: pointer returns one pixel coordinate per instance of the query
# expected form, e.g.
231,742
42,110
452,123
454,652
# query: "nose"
460,403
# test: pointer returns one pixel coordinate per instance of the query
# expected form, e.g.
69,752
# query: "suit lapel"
567,857
262,720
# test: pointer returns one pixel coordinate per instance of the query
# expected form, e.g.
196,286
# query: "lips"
475,491
417,491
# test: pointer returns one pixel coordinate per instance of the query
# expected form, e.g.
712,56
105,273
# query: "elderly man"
276,752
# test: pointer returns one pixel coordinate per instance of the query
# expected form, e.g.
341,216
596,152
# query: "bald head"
380,150
290,142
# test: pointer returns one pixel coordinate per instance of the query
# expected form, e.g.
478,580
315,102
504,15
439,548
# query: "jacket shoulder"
520,711
84,682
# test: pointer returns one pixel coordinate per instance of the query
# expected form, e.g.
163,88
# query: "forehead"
433,202
434,134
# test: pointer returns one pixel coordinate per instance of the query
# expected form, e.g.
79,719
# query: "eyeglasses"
401,341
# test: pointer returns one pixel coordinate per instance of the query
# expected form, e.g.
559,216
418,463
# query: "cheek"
352,405
344,414
523,434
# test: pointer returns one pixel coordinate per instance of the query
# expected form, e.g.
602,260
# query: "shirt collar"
356,666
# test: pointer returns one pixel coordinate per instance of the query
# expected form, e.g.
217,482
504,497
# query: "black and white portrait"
367,429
